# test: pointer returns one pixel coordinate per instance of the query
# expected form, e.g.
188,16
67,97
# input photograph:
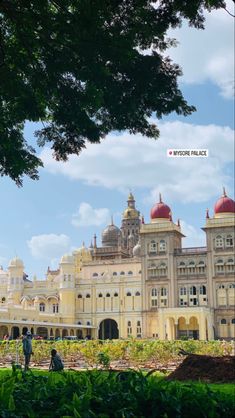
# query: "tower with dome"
140,282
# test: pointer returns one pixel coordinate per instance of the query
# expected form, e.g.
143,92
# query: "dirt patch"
205,368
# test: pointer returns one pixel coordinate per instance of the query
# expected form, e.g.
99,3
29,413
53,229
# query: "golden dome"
130,213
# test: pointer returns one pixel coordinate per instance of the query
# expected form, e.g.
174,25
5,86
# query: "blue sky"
72,201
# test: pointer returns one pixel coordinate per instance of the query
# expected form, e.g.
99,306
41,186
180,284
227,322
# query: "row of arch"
108,295
115,273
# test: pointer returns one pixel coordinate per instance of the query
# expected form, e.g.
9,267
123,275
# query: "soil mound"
205,368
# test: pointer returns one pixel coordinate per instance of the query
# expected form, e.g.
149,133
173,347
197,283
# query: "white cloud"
48,246
208,54
134,161
88,216
194,237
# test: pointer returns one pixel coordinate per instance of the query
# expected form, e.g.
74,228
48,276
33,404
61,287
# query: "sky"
72,201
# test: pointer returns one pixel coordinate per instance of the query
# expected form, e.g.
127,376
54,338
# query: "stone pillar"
202,327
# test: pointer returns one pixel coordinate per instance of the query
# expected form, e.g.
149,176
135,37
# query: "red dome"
224,205
160,210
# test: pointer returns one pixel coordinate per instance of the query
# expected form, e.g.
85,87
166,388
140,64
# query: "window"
230,265
162,246
154,292
182,267
193,290
107,295
129,328
163,291
3,299
130,273
154,303
220,266
138,329
55,308
140,272
100,295
201,267
114,273
128,294
223,321
183,291
79,323
202,290
153,247
122,273
88,295
95,274
219,241
79,296
42,307
229,241
191,267
137,293
115,294
221,286
88,323
233,321
231,286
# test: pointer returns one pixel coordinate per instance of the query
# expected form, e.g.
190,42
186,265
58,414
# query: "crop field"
104,394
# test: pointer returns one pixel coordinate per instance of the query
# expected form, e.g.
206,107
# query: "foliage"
107,394
86,68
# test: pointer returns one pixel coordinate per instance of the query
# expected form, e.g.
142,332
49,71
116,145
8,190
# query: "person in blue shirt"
27,349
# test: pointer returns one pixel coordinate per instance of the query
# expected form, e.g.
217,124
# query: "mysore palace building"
140,282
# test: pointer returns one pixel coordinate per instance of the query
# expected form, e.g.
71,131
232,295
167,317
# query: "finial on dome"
178,222
224,192
160,198
170,216
91,245
111,219
142,219
83,244
207,214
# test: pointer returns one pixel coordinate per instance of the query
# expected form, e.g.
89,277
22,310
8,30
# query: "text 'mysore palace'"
139,283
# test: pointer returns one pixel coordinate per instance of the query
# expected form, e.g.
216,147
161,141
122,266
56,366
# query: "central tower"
130,224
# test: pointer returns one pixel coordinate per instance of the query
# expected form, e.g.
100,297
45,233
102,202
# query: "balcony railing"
191,250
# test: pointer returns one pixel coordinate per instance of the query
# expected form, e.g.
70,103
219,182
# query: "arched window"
107,295
218,241
128,294
231,286
162,269
79,296
191,267
114,273
193,290
88,295
163,291
100,295
223,321
130,273
122,273
201,266
55,307
183,291
129,323
139,271
233,321
95,274
229,241
138,329
42,307
203,290
115,294
137,293
221,286
154,292
79,323
230,265
129,328
152,247
88,323
154,297
220,266
162,246
182,267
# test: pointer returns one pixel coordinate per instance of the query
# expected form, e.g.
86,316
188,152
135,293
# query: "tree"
85,68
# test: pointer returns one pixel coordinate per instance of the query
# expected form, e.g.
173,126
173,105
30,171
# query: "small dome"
131,213
66,259
16,262
224,206
160,211
137,250
110,236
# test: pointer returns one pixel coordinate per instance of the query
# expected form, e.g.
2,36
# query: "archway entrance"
108,330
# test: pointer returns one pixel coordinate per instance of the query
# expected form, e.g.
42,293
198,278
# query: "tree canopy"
84,68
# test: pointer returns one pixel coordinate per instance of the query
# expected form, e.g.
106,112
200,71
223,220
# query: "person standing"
27,349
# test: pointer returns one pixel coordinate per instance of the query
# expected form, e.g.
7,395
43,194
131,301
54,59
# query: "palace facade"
140,282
